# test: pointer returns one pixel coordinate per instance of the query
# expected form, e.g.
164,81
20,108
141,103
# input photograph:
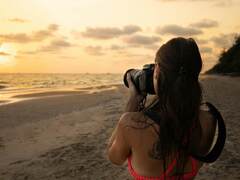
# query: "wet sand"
64,135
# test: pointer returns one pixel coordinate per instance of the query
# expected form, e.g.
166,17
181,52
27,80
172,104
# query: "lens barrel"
142,79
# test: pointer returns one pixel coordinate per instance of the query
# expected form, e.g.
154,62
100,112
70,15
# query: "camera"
142,79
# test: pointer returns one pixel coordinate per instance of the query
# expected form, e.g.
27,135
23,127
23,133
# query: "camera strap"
220,142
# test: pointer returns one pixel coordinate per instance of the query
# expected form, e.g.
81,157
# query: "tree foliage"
229,60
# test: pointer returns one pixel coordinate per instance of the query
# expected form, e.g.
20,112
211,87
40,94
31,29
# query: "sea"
19,83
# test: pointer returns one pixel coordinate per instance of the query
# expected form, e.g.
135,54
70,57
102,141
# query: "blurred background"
108,36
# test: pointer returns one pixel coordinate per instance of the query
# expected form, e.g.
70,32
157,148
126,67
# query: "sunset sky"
108,36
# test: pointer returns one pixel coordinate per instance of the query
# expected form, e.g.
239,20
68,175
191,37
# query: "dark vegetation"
229,60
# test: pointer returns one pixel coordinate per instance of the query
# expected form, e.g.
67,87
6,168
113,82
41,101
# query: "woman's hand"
134,94
135,98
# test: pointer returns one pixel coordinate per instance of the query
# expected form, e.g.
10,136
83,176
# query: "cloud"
178,30
119,49
33,37
180,0
201,41
130,29
225,3
115,47
145,56
18,20
102,33
109,32
17,38
134,60
53,27
154,47
68,57
43,34
217,3
56,45
205,50
94,50
4,54
142,40
223,40
205,23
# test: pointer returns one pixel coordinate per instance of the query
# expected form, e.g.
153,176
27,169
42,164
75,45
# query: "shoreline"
43,93
58,130
16,95
65,137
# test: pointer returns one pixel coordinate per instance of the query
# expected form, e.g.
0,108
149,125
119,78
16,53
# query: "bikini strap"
174,162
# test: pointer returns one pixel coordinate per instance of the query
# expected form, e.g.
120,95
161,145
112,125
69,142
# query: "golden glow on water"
13,85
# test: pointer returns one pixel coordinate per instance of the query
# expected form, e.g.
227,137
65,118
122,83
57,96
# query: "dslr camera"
142,79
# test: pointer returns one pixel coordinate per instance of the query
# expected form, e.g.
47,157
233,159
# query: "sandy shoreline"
64,137
19,94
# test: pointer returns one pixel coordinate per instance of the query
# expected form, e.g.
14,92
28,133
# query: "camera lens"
142,79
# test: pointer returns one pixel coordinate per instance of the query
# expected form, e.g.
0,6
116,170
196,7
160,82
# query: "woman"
158,140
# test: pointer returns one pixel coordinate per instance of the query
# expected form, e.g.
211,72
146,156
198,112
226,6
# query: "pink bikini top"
186,176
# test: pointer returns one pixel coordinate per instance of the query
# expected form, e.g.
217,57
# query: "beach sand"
64,136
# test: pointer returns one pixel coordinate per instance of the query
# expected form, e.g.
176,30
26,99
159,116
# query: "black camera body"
142,79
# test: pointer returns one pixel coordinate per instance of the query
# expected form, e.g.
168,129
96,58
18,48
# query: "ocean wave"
17,84
98,87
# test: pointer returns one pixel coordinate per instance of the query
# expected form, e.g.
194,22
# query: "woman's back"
184,128
142,139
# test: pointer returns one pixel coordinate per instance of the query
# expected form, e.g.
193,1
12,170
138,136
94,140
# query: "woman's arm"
118,148
133,105
112,138
135,99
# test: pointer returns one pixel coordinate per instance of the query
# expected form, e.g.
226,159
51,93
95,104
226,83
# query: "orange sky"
99,36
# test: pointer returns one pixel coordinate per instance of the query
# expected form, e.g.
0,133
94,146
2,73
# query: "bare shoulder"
138,129
130,118
136,125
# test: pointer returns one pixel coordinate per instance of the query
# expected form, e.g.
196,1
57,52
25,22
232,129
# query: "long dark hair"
179,98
